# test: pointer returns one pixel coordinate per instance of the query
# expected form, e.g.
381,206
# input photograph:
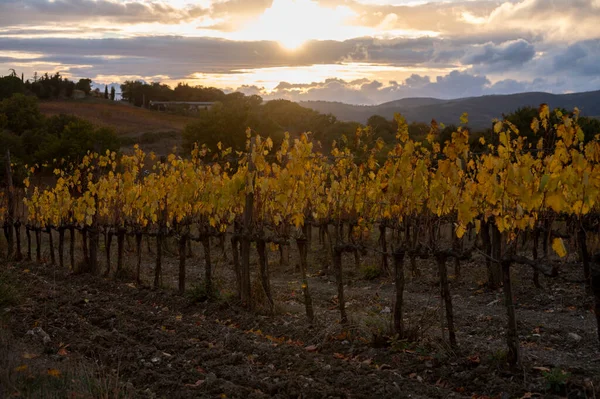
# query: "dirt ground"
139,342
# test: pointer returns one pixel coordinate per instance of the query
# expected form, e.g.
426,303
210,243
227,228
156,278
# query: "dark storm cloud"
581,59
505,56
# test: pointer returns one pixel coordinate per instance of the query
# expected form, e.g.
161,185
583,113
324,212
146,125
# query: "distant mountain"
481,110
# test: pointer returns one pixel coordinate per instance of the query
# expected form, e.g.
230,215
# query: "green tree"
84,85
382,127
106,92
10,85
112,93
21,113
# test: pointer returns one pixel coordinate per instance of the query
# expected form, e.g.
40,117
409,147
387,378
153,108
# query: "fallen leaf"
196,384
21,368
311,348
63,352
54,372
339,356
29,355
474,359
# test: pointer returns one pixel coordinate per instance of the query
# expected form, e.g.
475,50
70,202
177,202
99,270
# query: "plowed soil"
157,344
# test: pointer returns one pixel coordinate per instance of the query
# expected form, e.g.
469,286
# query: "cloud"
558,20
508,55
580,59
445,49
32,12
454,85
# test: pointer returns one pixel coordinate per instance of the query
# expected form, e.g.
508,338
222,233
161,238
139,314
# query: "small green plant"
498,358
198,293
399,345
8,292
370,272
556,380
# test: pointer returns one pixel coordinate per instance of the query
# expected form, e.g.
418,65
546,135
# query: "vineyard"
506,205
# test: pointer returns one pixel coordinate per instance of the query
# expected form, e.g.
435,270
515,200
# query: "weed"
35,379
370,271
8,291
198,293
556,380
498,358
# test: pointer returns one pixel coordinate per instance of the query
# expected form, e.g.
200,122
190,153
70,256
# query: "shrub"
556,380
370,272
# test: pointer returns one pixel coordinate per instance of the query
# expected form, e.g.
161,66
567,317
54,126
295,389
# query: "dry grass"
155,131
124,118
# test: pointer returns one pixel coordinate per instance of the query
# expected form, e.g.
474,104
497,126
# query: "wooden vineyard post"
138,253
383,242
51,245
512,338
595,285
235,246
108,237
303,250
495,270
28,235
245,293
72,247
398,257
447,299
263,268
38,245
120,249
93,232
208,283
158,268
337,265
536,240
18,254
585,258
182,255
10,220
595,275
84,247
236,262
61,247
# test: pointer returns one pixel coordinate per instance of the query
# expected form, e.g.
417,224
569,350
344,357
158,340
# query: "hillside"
481,110
154,131
124,118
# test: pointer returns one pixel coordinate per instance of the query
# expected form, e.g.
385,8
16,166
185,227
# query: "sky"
353,51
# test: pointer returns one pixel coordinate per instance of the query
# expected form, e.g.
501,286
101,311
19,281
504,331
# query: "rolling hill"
481,110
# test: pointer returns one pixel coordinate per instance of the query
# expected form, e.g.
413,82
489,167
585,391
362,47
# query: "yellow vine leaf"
559,247
54,372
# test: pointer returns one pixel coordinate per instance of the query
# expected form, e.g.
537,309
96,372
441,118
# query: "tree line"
46,86
33,138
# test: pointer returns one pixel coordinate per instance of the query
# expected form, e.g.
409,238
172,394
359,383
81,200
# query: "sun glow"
293,22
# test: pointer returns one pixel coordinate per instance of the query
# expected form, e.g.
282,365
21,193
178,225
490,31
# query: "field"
155,131
438,273
133,341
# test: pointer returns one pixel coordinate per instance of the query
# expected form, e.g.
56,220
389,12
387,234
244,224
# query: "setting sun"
292,23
